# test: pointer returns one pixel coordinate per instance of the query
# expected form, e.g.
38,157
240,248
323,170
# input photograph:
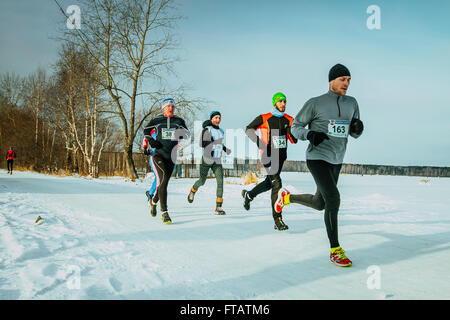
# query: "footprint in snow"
116,284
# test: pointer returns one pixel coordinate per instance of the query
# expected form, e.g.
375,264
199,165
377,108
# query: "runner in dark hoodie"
168,129
212,143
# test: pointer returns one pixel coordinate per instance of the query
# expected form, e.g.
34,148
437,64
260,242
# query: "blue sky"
239,53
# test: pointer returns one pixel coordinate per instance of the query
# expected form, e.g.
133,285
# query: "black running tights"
271,182
327,196
163,171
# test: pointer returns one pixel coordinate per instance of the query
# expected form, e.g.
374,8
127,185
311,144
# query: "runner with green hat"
279,96
274,133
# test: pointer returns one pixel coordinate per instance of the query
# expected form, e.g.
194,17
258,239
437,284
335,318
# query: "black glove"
154,143
356,126
316,138
147,151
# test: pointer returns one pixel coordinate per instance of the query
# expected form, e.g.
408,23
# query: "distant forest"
373,169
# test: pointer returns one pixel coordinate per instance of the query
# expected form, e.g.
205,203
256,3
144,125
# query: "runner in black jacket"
275,131
168,129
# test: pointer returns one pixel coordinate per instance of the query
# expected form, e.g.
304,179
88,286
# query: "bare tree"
34,95
94,141
11,88
26,118
131,41
11,92
79,103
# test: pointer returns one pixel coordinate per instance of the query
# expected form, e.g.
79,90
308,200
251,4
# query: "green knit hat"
278,97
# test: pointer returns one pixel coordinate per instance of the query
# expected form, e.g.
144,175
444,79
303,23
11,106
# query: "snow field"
98,241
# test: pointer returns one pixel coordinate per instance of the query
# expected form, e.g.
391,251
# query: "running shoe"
338,257
165,218
282,200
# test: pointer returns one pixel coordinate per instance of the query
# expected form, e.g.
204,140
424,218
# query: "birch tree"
81,121
131,41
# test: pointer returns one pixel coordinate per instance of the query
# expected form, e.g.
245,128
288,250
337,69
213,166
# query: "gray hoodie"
329,113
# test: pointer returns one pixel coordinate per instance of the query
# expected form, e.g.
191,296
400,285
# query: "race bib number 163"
338,128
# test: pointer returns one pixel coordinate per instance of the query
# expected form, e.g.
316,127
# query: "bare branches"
130,42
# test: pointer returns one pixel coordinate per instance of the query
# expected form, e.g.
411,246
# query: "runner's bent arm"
291,136
302,119
182,130
206,138
148,136
251,128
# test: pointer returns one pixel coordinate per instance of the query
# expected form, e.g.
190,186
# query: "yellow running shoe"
165,218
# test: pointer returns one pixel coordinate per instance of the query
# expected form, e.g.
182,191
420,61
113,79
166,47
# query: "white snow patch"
98,241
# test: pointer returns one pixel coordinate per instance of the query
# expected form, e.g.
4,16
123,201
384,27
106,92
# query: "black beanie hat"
337,71
213,114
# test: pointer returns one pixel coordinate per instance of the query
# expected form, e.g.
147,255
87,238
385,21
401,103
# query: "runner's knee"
318,204
333,200
276,182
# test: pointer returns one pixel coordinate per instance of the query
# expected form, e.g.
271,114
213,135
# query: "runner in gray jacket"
212,143
326,121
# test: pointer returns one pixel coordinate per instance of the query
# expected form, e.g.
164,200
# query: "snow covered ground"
98,241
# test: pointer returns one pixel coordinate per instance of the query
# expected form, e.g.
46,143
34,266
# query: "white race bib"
217,149
168,133
338,128
279,142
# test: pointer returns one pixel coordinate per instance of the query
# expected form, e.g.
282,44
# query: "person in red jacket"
10,156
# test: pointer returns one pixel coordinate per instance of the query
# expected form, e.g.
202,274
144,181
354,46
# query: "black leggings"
163,171
218,173
10,164
272,181
327,196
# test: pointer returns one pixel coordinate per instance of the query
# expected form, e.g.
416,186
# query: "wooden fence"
113,164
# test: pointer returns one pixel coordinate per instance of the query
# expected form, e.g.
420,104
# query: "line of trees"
108,80
55,121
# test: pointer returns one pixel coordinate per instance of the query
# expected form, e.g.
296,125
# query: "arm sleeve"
185,131
291,137
148,128
206,138
183,125
252,126
302,119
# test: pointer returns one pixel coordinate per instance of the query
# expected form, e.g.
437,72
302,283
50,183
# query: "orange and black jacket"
271,126
10,155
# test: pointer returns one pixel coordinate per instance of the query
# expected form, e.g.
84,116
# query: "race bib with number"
338,128
279,142
168,133
217,150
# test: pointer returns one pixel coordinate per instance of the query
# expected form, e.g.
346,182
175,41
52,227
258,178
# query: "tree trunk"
130,168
